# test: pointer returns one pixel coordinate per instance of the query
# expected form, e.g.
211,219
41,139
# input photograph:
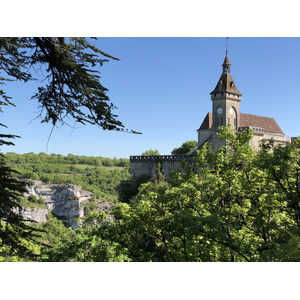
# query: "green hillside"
99,175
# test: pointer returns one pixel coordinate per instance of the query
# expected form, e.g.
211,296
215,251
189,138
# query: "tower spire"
225,83
227,45
226,65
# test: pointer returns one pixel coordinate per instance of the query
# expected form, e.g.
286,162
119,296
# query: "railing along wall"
141,158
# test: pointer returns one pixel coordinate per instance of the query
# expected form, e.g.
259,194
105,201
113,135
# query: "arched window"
232,117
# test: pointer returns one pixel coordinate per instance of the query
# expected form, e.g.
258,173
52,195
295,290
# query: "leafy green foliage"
129,188
37,200
33,201
16,236
151,152
88,245
53,236
185,148
235,205
72,88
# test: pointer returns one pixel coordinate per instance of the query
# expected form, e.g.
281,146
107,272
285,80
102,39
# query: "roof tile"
268,124
248,120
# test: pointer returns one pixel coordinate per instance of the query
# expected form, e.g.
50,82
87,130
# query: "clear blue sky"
161,87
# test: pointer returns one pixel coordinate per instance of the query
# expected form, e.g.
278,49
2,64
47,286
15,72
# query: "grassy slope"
96,174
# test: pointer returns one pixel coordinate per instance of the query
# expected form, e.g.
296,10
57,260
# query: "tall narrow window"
233,117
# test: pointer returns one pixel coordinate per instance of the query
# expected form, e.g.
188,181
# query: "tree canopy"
234,205
151,152
185,148
71,85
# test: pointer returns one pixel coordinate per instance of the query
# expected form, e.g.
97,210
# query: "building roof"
226,83
207,122
247,120
226,61
268,124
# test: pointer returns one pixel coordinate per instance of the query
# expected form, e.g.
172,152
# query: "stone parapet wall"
157,158
145,165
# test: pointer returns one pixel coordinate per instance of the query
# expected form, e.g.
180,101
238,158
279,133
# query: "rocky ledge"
66,202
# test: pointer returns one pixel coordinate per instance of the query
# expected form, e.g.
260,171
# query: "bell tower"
226,100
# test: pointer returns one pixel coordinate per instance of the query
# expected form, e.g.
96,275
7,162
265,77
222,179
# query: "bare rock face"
34,213
65,202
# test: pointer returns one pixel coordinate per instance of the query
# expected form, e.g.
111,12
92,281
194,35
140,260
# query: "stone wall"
145,165
204,135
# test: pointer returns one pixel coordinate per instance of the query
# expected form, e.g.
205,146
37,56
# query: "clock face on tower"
231,111
219,110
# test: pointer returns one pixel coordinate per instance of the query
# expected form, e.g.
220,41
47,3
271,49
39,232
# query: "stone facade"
145,165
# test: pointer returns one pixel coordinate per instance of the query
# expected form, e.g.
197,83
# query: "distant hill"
98,175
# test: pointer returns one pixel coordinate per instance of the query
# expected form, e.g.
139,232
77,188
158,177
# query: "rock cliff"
34,213
65,201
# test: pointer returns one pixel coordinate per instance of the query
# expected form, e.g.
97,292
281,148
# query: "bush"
35,199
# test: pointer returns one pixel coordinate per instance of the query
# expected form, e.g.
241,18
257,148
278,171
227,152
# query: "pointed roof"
207,122
226,61
226,83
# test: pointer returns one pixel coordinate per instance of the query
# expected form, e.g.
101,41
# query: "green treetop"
151,152
185,148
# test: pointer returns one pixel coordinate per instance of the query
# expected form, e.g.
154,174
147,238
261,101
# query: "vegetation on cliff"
98,175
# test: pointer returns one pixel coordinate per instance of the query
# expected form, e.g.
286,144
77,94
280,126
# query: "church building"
226,100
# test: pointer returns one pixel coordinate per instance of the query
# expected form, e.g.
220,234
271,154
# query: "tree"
128,189
185,148
87,245
235,205
71,90
151,152
16,237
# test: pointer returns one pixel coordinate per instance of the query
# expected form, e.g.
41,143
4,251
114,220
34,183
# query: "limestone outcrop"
34,213
66,202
